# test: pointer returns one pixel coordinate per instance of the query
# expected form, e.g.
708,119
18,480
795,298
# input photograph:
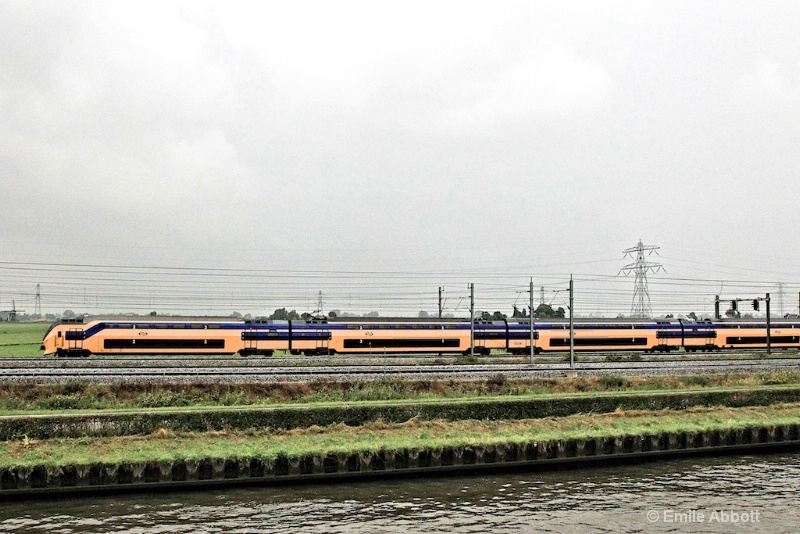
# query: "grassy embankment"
420,433
81,396
167,447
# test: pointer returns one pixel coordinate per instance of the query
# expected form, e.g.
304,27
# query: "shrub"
779,377
497,383
697,380
161,399
62,402
613,382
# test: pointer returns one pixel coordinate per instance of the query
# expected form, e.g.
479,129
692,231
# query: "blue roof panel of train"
381,326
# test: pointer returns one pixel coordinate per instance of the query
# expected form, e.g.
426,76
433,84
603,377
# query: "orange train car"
204,335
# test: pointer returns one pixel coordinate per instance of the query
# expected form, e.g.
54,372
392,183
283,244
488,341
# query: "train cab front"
64,338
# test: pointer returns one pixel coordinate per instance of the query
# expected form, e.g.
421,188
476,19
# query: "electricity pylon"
640,308
37,306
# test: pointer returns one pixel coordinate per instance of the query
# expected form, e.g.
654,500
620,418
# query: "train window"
213,326
141,325
124,325
178,325
59,333
161,325
353,327
197,326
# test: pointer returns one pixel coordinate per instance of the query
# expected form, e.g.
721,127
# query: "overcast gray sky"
460,139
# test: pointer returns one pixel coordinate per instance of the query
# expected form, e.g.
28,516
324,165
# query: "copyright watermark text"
670,515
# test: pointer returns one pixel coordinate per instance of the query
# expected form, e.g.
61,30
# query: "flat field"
21,339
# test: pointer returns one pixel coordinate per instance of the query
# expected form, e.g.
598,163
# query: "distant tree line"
543,311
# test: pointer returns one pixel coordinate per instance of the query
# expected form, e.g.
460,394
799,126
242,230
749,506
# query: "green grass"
21,339
83,396
166,446
64,405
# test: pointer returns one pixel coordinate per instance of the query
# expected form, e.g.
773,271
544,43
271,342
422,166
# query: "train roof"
84,319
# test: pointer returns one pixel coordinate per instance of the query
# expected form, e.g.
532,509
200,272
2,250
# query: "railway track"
384,359
242,374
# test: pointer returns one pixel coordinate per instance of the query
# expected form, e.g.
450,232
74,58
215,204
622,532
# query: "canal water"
728,494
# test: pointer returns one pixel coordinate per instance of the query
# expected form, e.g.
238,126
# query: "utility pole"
472,319
571,326
716,307
769,340
533,350
440,302
640,308
735,306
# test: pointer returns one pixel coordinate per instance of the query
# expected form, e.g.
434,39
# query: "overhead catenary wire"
99,288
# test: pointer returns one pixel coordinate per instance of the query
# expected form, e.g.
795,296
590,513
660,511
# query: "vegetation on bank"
296,416
166,446
22,398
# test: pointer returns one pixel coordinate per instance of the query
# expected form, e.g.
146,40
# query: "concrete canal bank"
18,482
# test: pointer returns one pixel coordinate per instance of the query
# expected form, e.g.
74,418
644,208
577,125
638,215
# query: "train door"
711,339
74,340
323,339
250,338
663,340
479,338
483,338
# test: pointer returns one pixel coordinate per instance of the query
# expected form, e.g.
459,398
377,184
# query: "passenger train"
196,335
